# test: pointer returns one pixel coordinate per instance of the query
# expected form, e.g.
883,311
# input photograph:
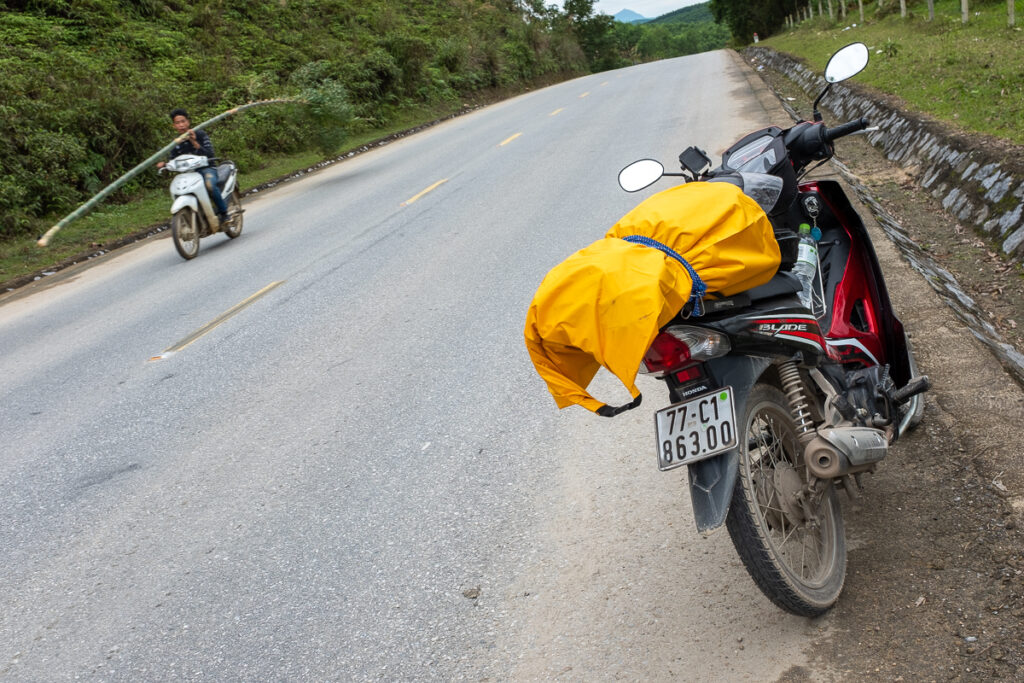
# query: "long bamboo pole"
105,192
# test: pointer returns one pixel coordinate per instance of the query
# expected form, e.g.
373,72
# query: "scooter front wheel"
790,538
185,231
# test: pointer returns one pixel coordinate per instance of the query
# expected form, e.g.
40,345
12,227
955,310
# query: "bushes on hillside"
85,85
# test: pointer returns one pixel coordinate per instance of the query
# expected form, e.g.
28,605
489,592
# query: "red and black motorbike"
777,404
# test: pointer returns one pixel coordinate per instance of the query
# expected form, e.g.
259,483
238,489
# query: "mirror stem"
817,114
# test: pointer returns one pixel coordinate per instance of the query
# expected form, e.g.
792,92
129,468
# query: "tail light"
679,346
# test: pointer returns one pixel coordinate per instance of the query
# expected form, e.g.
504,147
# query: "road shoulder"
935,586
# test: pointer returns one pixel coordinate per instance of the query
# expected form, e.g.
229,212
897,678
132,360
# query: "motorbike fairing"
860,312
190,186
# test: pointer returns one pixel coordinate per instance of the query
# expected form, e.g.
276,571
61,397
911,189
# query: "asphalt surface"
358,475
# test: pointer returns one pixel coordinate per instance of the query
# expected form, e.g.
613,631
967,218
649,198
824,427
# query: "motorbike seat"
223,173
781,284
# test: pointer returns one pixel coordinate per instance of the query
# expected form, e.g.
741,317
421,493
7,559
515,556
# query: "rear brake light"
681,345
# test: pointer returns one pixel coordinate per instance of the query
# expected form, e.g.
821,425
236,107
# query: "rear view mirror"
846,63
640,174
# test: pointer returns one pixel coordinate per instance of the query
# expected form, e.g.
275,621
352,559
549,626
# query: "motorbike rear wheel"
795,552
185,230
233,228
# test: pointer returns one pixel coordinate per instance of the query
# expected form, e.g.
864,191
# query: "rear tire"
185,230
798,563
233,227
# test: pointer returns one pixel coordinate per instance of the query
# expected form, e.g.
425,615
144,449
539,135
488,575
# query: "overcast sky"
647,8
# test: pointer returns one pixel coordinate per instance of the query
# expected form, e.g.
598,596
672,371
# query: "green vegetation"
693,14
686,31
969,75
85,85
148,207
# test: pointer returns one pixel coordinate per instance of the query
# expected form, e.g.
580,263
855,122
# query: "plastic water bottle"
806,265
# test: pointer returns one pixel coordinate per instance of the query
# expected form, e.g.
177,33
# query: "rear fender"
712,480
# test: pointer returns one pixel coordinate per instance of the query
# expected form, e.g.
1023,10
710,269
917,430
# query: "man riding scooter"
198,142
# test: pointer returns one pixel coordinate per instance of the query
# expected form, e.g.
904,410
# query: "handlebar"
845,129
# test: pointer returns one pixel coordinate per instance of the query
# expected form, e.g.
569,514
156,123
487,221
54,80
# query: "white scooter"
193,215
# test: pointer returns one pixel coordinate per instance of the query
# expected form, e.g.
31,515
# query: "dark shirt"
186,146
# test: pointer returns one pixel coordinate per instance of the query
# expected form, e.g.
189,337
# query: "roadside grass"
150,207
969,76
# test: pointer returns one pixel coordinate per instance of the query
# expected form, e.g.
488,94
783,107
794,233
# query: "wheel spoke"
800,543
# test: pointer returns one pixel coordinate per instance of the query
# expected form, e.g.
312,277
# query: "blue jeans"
210,180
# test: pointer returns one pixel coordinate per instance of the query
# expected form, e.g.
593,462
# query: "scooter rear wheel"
796,553
185,231
233,228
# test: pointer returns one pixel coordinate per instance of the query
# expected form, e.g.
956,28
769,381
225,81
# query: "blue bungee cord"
699,288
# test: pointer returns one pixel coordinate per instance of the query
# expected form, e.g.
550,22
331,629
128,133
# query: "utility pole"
860,4
1009,9
931,10
963,10
903,8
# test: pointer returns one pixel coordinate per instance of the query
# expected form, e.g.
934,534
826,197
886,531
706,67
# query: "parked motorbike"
193,215
777,404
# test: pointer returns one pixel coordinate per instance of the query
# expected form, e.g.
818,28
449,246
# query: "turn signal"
680,346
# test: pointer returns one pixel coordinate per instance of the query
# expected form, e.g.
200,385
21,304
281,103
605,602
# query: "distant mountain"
694,14
628,16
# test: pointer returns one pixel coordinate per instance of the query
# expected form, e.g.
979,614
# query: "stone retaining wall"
980,182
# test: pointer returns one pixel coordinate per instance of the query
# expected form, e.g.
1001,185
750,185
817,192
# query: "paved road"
358,475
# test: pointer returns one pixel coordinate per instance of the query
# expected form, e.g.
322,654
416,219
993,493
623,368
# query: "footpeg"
914,387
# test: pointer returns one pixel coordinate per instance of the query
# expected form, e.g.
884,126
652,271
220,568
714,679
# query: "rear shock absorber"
793,387
820,457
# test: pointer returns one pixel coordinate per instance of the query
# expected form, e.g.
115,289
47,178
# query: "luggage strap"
699,288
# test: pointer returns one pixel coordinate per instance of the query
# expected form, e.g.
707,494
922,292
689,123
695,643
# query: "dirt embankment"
935,589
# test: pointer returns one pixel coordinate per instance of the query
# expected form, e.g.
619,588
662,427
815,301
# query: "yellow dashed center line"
584,94
509,139
410,200
556,111
604,84
216,321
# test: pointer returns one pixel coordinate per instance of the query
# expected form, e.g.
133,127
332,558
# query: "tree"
747,17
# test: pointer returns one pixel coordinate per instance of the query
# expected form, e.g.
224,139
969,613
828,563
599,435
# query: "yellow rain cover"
604,305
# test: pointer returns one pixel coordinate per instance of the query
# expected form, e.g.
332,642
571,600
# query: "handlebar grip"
846,128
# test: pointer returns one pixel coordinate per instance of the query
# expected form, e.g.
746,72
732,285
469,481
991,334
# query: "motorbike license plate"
695,429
